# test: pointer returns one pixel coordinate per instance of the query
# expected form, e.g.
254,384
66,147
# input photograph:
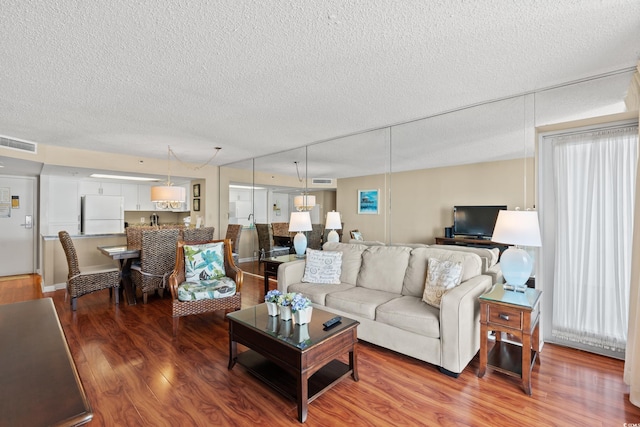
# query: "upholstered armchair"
204,279
157,259
81,281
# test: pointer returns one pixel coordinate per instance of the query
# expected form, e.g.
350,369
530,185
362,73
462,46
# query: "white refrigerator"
102,214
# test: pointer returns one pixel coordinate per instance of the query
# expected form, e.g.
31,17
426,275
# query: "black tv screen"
476,221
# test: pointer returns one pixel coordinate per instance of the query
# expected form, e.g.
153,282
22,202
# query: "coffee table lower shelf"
284,383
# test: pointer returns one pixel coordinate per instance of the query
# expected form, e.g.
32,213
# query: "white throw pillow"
441,276
323,267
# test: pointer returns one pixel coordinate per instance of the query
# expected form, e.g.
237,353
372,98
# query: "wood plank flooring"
136,374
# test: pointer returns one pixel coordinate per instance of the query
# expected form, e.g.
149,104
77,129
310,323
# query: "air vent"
322,181
16,144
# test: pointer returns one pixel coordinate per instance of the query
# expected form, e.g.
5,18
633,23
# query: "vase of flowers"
271,299
301,309
284,304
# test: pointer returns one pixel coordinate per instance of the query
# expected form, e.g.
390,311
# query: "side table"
517,314
271,267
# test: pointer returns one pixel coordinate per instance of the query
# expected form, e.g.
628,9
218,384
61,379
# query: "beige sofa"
382,288
490,257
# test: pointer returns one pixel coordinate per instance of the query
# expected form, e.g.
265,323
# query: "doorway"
18,225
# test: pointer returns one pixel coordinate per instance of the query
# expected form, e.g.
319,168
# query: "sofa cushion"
441,277
317,293
207,289
416,274
322,267
351,259
383,268
203,262
410,314
359,301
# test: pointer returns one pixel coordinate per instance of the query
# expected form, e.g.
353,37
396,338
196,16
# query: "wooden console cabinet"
476,243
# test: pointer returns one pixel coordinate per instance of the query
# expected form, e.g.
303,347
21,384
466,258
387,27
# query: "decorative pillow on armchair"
441,277
323,267
204,262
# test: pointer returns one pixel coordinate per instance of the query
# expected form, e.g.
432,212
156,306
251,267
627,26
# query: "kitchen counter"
85,236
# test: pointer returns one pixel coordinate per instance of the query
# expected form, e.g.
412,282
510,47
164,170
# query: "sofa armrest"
290,273
496,273
460,323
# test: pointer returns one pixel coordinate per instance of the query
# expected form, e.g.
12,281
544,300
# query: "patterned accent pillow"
207,289
441,277
204,262
323,267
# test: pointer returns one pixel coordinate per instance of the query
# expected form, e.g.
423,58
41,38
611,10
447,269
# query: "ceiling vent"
16,144
324,182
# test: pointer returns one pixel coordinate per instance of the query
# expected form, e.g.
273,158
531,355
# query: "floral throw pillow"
204,262
323,267
441,277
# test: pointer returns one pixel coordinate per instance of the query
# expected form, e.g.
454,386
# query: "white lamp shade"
304,202
517,228
300,221
333,221
167,193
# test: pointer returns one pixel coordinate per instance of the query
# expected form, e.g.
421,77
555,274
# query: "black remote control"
332,322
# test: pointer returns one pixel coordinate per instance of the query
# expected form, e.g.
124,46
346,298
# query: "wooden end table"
517,314
299,361
271,267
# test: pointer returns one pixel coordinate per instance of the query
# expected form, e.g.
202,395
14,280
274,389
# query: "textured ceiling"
258,77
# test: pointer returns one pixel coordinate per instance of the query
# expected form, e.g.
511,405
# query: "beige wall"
421,202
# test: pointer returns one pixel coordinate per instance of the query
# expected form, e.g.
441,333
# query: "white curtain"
632,356
594,180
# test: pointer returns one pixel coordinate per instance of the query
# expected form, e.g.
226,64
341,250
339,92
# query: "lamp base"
515,288
300,244
333,236
516,265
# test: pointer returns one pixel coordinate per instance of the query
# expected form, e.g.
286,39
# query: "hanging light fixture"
168,196
304,202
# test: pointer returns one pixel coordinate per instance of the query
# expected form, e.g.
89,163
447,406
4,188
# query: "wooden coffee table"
298,361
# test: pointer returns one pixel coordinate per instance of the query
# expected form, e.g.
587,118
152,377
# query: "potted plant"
284,303
301,309
271,299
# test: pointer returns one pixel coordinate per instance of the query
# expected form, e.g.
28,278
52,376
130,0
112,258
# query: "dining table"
125,256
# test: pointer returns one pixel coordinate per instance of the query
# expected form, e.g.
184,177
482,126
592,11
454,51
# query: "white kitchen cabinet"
89,187
137,197
63,206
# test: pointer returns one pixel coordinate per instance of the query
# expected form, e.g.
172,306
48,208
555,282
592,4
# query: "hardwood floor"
136,374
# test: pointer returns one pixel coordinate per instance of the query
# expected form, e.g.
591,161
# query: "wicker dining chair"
82,281
233,234
187,308
201,234
157,259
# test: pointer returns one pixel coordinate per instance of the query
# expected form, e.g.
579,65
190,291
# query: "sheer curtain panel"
594,180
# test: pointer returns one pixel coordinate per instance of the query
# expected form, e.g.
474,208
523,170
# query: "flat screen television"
475,221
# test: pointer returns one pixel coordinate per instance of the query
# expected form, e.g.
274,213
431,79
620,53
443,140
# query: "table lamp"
300,221
518,228
333,223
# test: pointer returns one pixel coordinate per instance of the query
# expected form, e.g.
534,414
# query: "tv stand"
471,242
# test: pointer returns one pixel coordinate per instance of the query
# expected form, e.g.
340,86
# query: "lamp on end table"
518,228
300,221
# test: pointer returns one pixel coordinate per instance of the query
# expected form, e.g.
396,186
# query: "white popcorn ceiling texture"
259,77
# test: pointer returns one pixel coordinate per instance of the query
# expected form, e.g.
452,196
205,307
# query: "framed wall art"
196,205
196,190
368,201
